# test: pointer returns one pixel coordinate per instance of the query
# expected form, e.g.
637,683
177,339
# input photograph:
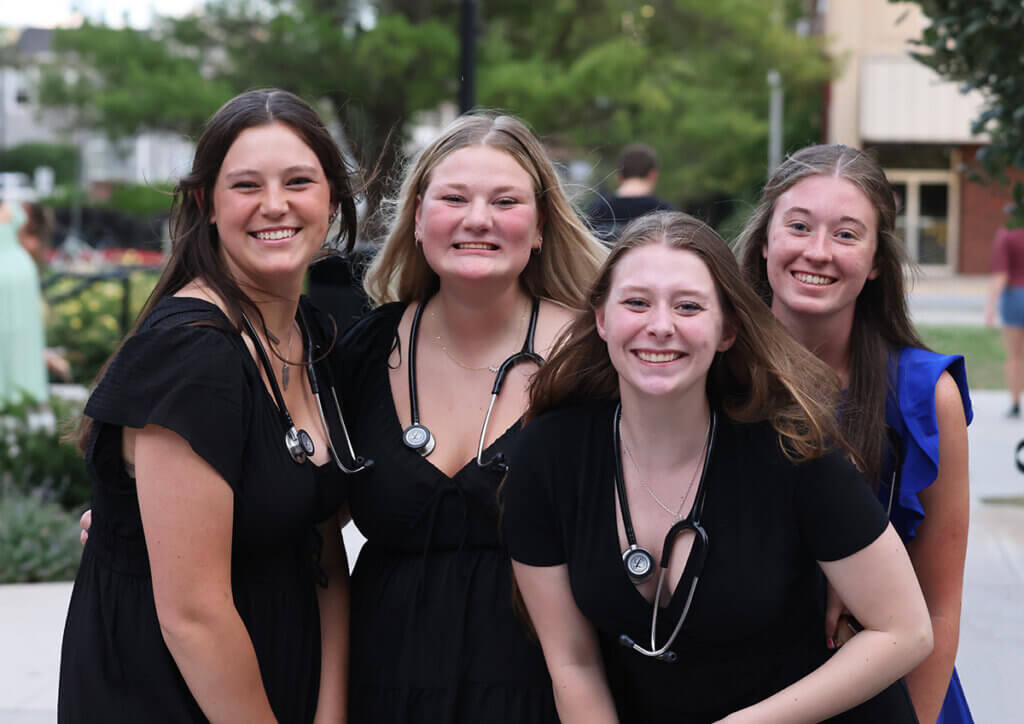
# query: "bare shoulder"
196,289
553,319
949,406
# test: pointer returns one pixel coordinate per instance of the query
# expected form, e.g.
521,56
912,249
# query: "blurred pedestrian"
22,366
638,176
1007,288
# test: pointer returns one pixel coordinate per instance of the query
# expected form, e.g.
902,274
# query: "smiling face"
663,322
478,219
821,248
271,204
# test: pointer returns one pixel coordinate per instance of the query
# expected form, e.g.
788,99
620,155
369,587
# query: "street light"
467,56
774,120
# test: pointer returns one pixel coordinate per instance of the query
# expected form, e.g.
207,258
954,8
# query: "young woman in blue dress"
821,251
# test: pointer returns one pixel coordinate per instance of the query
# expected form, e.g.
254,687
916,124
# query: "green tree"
979,44
686,76
371,73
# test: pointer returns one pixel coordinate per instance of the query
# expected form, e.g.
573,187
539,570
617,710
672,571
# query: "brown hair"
637,160
881,321
764,375
195,250
570,256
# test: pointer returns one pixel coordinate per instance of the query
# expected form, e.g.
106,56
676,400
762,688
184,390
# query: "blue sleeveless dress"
910,410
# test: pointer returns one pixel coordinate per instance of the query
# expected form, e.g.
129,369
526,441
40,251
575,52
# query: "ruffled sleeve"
911,411
188,379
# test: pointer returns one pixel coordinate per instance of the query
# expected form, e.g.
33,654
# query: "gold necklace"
463,365
677,513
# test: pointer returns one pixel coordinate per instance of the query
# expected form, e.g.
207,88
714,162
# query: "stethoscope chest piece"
639,563
299,444
418,438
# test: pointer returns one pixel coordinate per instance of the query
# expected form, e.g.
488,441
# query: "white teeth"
813,279
275,235
658,356
475,245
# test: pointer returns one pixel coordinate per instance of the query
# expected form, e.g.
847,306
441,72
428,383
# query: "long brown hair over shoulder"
570,255
764,375
881,320
195,245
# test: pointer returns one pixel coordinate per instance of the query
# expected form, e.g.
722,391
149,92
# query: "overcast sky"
51,13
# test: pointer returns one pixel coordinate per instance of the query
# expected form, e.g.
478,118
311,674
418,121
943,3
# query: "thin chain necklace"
676,514
463,365
285,364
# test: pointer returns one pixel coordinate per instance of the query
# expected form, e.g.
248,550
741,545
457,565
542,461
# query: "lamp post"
467,56
774,121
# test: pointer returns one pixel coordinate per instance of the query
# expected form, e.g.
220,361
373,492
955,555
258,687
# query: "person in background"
213,585
483,263
35,238
638,175
820,249
674,493
1007,289
22,366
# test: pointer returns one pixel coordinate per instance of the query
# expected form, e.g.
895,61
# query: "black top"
755,625
609,215
188,370
435,637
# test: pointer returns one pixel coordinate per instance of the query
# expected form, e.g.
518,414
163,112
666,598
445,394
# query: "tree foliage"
686,76
979,44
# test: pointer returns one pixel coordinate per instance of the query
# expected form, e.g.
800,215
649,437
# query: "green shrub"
26,157
36,460
38,540
141,199
88,326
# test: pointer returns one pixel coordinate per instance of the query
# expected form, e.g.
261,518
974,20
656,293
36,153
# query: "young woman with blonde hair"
484,263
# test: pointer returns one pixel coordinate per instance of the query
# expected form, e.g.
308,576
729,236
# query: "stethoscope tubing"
691,522
526,354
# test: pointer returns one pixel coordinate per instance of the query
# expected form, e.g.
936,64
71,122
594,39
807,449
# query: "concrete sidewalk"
991,662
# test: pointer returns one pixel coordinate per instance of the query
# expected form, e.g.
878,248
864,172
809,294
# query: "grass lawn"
981,347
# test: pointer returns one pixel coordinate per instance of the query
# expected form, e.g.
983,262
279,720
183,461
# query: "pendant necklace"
492,368
285,364
677,513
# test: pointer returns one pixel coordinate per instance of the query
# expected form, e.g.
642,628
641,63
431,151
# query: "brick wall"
981,216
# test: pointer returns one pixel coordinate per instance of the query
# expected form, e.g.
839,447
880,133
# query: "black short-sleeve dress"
755,625
187,370
435,637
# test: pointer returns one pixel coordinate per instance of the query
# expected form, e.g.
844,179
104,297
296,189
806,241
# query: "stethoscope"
418,437
639,562
297,441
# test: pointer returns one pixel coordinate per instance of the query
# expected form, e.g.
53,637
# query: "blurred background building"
918,125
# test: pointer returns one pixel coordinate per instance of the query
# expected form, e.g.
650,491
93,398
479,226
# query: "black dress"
755,625
201,382
435,637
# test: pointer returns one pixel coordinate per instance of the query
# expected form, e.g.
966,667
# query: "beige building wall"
864,34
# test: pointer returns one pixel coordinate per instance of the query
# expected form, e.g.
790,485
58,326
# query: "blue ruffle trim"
914,417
